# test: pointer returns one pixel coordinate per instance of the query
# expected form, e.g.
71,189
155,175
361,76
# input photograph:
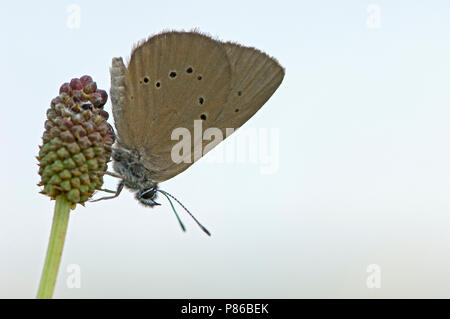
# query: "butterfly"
175,80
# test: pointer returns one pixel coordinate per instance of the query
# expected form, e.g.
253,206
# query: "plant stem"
55,248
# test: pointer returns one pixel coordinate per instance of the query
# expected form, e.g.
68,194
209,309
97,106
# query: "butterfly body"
134,175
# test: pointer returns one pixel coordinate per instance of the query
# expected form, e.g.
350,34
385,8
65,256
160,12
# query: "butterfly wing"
256,76
175,78
171,80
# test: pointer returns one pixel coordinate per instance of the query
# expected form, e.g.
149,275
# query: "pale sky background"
363,119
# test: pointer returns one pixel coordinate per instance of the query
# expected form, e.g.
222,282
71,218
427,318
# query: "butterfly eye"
148,193
173,74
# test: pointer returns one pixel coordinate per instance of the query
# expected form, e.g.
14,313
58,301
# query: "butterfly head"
136,177
147,196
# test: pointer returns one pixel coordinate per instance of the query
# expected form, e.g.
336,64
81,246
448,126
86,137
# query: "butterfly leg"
117,193
110,174
107,190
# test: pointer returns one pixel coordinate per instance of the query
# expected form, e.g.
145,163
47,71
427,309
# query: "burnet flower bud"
77,142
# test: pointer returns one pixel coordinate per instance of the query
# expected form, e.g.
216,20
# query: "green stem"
55,248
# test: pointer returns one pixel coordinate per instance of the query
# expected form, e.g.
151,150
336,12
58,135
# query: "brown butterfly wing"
175,78
171,80
255,78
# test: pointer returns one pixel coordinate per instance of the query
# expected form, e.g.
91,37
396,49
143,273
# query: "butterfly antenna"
195,219
174,210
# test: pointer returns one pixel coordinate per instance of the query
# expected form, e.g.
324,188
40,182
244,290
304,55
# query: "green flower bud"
77,142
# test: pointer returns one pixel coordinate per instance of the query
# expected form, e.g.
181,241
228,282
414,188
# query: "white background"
364,159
